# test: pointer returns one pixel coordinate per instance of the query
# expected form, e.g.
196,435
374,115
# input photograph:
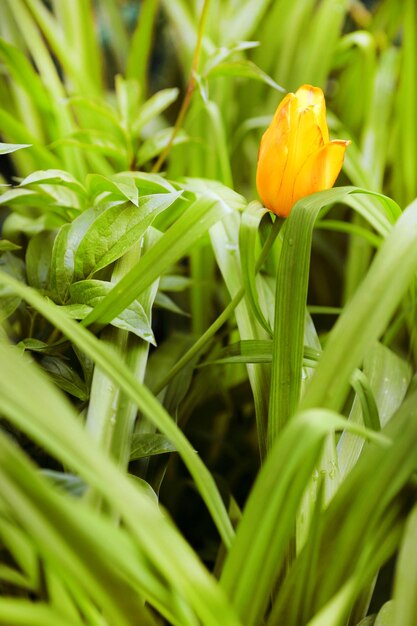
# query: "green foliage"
208,413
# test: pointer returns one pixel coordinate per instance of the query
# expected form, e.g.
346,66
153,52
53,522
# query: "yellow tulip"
296,157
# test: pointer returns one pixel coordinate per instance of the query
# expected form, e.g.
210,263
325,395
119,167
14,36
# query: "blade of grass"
258,552
367,314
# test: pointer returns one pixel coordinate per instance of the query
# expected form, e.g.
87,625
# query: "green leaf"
114,230
162,301
8,246
100,236
218,191
9,301
97,141
67,439
404,607
173,244
243,69
174,283
6,148
38,259
152,183
16,612
367,314
290,309
256,351
88,293
60,177
226,51
18,196
34,345
65,377
128,93
145,445
248,235
258,552
121,185
70,483
386,615
153,107
62,261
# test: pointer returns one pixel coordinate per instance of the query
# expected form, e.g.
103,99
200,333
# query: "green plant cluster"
208,414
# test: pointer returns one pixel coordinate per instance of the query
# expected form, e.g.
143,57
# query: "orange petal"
272,156
321,169
305,138
309,96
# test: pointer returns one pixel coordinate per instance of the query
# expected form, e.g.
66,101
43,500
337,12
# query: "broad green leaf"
38,259
34,345
122,185
217,190
162,301
70,483
8,246
153,107
97,141
100,236
243,69
98,109
60,177
88,293
226,51
128,92
9,301
386,615
65,377
115,230
24,197
62,260
6,148
144,445
173,244
152,183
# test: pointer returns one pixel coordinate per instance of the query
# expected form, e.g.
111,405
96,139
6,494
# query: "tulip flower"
296,157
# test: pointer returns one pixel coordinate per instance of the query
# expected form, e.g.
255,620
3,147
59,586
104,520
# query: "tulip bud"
296,157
